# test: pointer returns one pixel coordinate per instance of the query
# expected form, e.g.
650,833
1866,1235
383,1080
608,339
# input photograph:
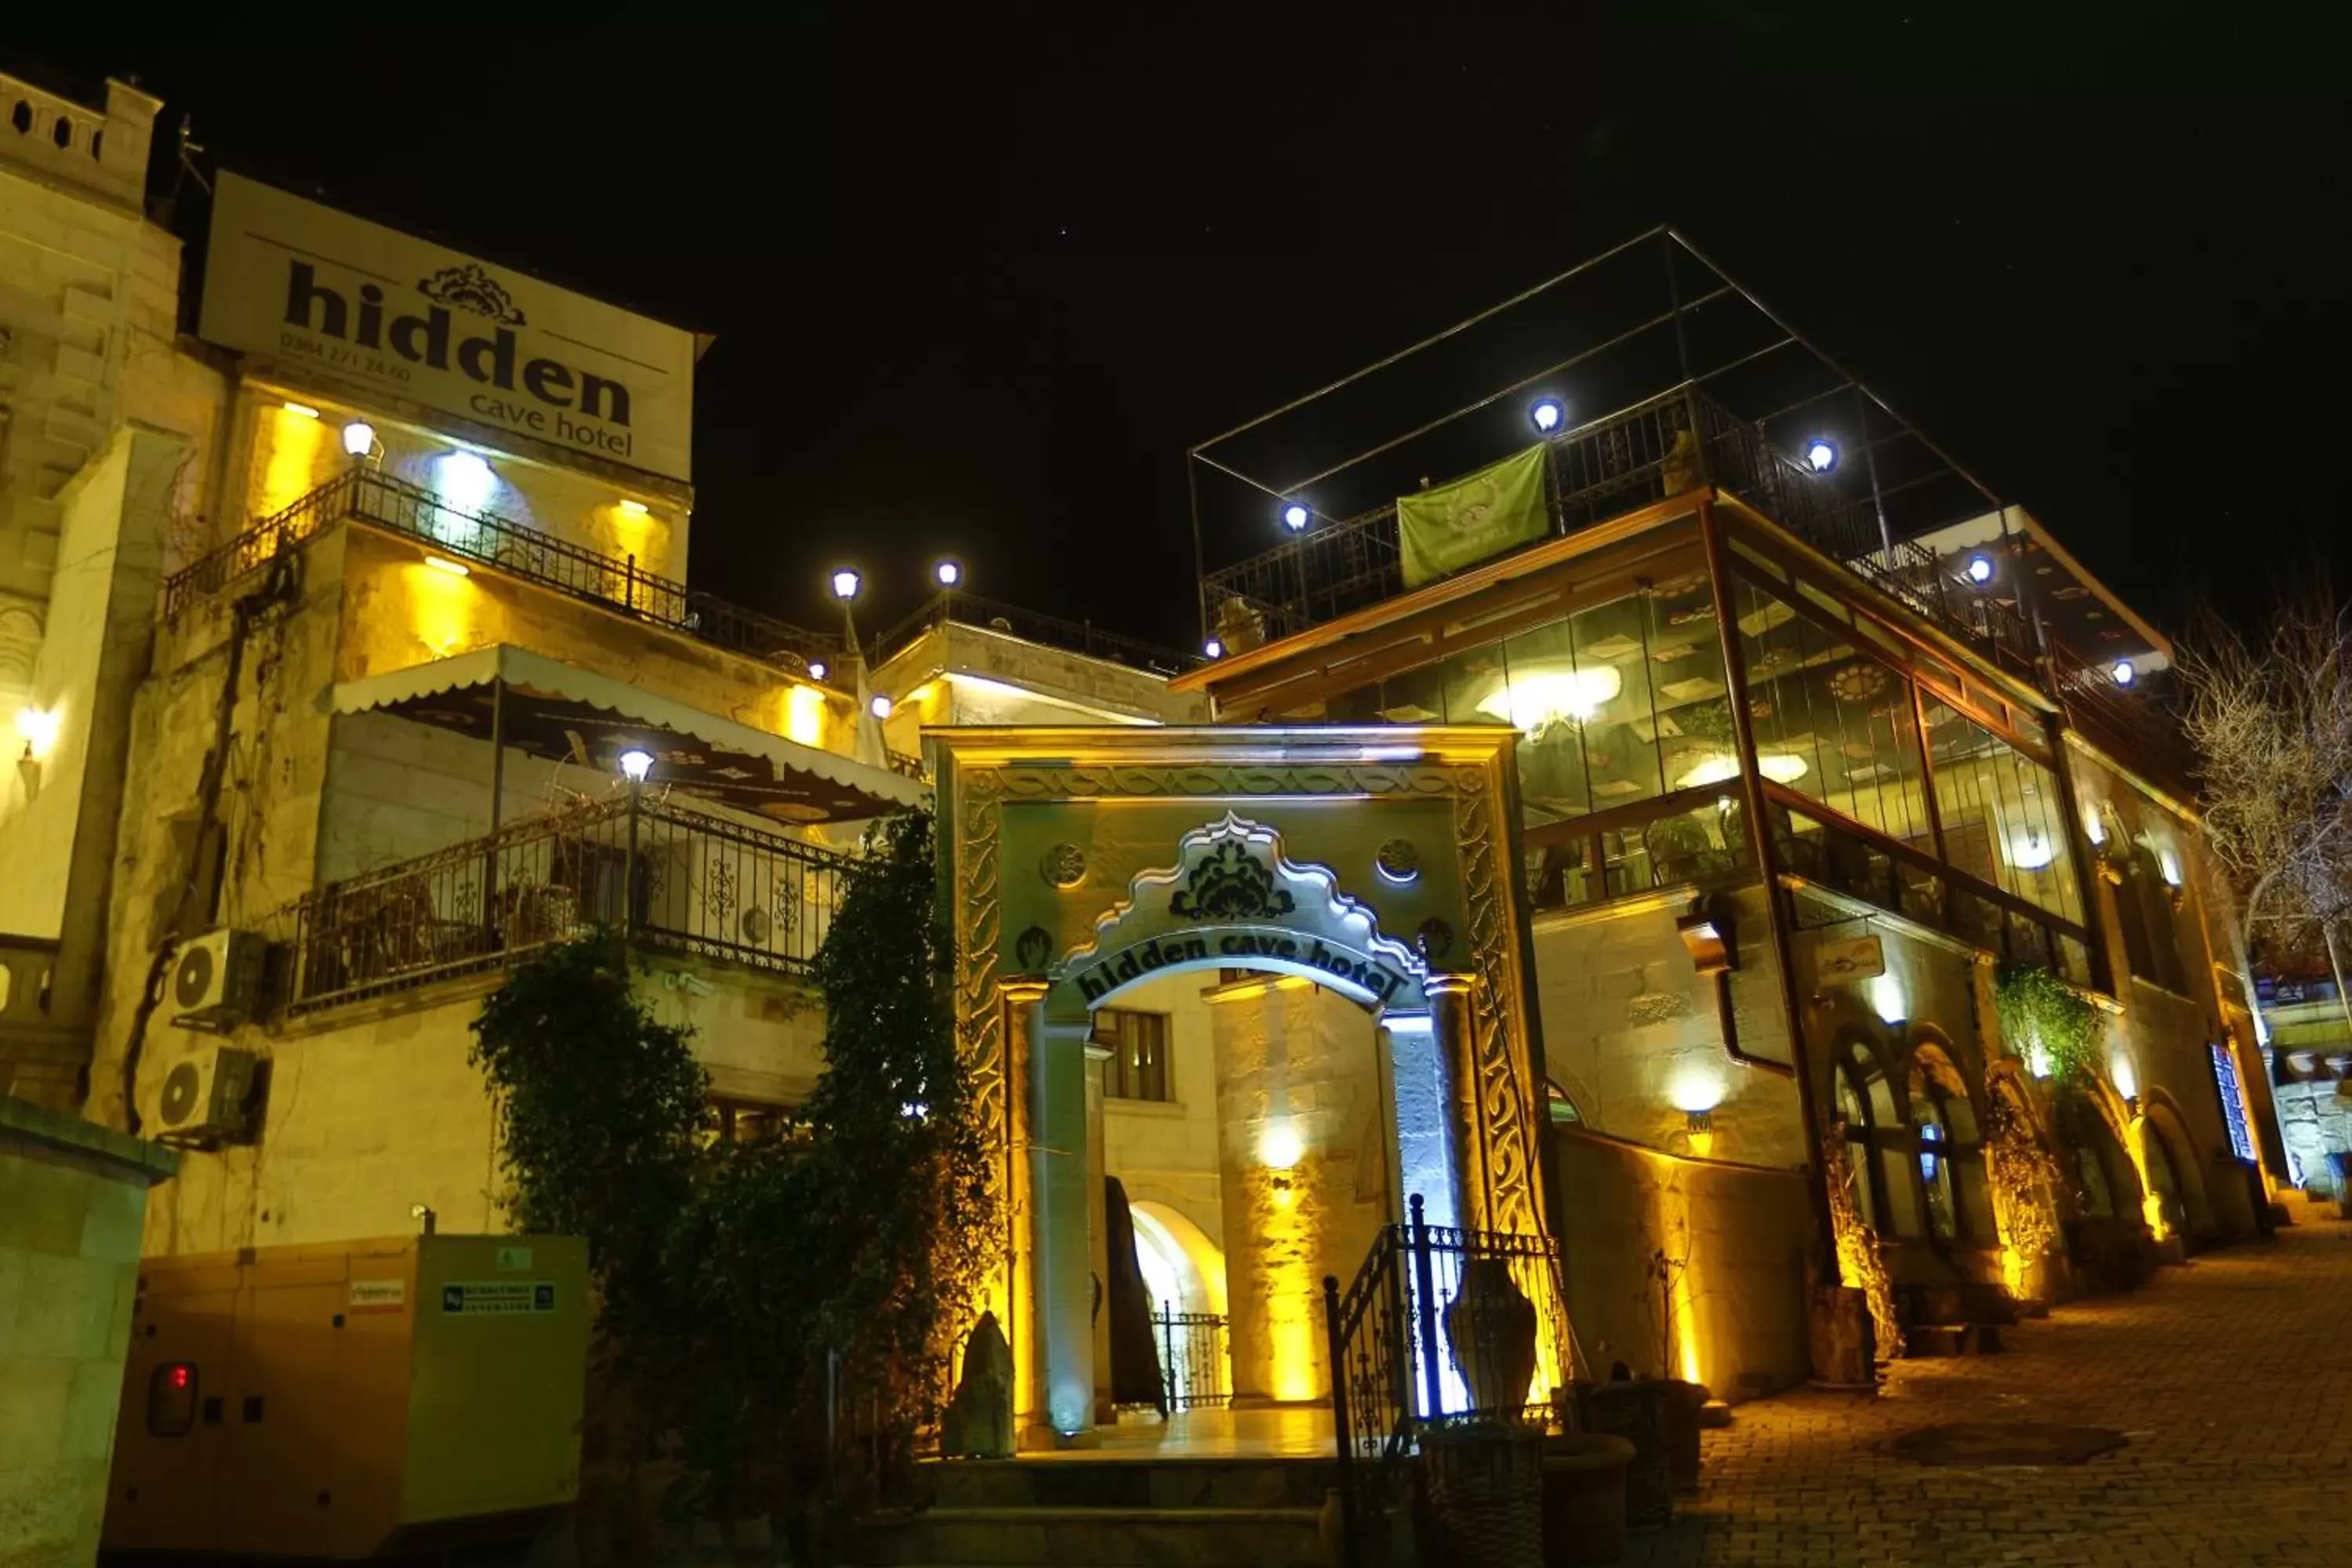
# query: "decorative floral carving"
1398,861
1231,884
1064,866
1034,948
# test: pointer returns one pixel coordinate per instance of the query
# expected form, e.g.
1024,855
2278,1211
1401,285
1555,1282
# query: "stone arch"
1202,1274
2092,1127
1870,1100
2176,1202
1945,1111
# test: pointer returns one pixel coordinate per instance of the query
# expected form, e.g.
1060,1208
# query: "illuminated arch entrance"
1372,862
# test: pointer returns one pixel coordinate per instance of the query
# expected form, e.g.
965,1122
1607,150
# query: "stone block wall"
1304,1172
69,1231
1736,1237
1633,1035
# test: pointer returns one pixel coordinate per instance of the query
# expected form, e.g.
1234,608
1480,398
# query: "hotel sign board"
397,315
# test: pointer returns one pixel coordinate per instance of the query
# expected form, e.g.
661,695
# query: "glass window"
1137,1042
2003,821
748,1120
1551,702
1620,713
2144,914
1831,721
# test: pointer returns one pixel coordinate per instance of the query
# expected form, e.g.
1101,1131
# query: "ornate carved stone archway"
1375,861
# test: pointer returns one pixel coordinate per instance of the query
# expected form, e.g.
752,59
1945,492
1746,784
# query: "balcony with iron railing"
398,506
669,877
1664,447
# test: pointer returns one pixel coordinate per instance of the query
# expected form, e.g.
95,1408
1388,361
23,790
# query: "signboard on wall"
384,310
1860,958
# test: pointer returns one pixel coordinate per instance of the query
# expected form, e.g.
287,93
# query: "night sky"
978,283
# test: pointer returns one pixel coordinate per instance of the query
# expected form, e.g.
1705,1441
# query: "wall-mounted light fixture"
817,669
1214,649
632,507
302,410
359,439
1709,936
879,707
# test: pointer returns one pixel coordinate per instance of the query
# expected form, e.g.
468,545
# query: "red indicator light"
180,1376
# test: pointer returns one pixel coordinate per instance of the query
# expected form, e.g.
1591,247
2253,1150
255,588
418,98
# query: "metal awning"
564,713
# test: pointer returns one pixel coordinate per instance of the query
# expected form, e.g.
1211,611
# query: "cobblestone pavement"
2231,1377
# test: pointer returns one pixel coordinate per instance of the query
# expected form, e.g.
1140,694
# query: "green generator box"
346,1399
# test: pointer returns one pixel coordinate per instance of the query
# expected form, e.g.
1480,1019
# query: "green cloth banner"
1498,507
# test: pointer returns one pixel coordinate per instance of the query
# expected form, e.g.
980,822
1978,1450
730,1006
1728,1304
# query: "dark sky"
979,279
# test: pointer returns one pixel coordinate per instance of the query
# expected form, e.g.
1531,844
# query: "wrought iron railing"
1433,1331
669,877
1193,1359
394,504
1829,855
2095,700
1052,631
1655,449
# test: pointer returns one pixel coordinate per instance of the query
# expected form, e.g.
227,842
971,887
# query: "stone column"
1098,1233
1059,1183
1418,1088
1456,1045
1023,1322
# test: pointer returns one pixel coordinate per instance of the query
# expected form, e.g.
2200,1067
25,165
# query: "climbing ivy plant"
741,1282
2036,1007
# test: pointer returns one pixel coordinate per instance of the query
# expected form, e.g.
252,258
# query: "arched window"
1949,1149
2145,916
1878,1146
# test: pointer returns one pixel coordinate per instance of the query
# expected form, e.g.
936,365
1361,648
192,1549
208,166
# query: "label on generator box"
496,1298
378,1295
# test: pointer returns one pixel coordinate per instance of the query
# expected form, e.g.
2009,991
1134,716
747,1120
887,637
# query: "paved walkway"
2232,1377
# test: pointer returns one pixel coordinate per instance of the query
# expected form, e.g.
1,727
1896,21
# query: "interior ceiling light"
1536,699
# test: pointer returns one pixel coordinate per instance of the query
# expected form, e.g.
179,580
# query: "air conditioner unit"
205,1096
215,978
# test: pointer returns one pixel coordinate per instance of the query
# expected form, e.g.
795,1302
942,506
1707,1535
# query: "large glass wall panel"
1831,721
2002,818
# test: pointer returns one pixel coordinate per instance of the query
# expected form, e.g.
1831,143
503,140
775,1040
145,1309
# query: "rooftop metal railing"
1051,631
399,507
1671,443
668,877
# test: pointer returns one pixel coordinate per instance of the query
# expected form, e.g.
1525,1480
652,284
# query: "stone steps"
1108,1513
1097,1537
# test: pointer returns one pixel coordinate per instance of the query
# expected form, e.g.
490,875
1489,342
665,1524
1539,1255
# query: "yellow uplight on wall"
634,508
443,563
1536,699
804,715
37,727
296,441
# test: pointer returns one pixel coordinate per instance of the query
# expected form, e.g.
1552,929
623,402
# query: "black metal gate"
1193,1366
